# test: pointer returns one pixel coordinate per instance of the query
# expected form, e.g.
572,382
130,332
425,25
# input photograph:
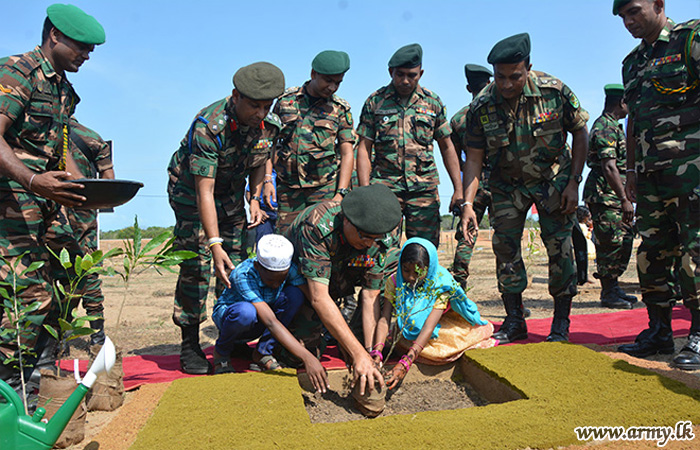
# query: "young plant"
20,317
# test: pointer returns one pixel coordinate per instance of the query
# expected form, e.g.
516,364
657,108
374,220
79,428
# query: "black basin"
106,193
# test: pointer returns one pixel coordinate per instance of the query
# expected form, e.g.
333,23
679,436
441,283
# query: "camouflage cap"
617,4
510,50
408,56
614,90
373,209
331,62
476,73
76,24
259,81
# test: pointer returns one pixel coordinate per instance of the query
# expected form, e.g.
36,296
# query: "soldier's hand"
470,227
569,198
257,216
366,373
51,185
627,211
457,199
222,264
631,186
269,195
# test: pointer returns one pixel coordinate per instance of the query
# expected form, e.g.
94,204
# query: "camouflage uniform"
614,238
530,163
93,158
308,160
482,200
323,255
216,147
663,95
403,160
39,103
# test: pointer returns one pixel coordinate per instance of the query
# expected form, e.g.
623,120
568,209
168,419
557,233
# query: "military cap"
614,90
76,24
373,209
408,56
331,62
510,50
476,73
617,4
259,81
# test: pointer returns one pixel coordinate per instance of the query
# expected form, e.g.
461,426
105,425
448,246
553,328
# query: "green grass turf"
564,385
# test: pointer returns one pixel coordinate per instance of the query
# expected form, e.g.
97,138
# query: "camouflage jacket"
458,123
403,137
39,102
307,154
99,153
662,92
217,147
606,140
320,248
527,150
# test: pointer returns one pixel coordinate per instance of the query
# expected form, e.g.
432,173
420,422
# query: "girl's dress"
461,326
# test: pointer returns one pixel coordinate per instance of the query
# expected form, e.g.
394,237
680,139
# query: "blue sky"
165,60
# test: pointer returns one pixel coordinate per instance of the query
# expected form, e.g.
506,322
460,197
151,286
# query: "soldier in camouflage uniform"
520,123
314,160
399,123
36,103
604,193
93,156
478,77
228,141
339,245
662,91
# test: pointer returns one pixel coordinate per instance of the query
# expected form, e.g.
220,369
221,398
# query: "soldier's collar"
46,66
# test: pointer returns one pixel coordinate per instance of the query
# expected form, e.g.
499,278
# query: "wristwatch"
343,191
578,178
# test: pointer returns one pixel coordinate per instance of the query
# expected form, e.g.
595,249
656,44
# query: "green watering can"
18,431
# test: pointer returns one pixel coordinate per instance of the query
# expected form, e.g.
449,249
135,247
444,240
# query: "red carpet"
608,328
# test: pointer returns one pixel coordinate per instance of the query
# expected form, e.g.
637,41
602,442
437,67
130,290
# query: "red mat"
608,328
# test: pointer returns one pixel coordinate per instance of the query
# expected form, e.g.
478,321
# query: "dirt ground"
146,327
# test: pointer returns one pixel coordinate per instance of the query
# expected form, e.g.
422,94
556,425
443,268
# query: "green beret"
331,62
614,90
259,81
408,56
510,50
373,209
476,73
617,4
76,24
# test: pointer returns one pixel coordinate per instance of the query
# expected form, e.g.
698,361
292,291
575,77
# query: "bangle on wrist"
631,170
254,198
466,203
268,175
406,362
378,353
29,187
215,241
378,346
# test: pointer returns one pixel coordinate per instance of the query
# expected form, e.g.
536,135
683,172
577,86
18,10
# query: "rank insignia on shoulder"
4,89
361,261
262,143
422,110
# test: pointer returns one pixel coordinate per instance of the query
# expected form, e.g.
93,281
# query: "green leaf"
32,267
78,332
87,262
4,293
156,242
78,265
137,236
51,331
181,254
113,252
64,258
65,326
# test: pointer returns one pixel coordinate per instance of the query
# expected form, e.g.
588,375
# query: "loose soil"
146,328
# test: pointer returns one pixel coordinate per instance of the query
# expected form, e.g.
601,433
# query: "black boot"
658,338
689,357
192,358
559,332
622,294
514,327
98,337
609,297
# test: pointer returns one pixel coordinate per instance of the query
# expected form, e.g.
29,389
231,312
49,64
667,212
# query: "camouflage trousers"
421,214
193,281
463,253
84,225
613,240
508,214
31,224
668,220
292,201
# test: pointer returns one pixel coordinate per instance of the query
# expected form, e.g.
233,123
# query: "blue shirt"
246,286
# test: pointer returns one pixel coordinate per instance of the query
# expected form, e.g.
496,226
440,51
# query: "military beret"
408,56
373,209
331,62
510,50
617,4
476,73
76,24
259,81
614,90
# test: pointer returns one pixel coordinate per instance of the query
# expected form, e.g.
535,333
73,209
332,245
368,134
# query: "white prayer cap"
275,252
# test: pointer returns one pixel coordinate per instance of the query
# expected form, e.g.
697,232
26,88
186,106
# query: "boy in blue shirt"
265,294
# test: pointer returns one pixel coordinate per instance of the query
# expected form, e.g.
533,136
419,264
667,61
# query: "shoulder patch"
273,119
689,25
291,90
216,125
546,80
